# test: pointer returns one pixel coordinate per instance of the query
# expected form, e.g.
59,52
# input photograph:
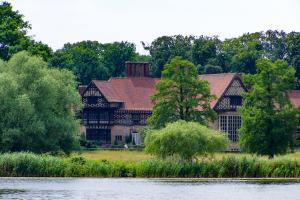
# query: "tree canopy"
180,95
37,106
92,60
237,54
13,35
184,139
268,118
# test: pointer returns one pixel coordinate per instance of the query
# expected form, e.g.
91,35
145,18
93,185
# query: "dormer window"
236,101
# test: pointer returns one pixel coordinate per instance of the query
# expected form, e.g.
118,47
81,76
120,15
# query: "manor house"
117,108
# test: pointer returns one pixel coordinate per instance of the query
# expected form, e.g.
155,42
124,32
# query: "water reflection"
146,189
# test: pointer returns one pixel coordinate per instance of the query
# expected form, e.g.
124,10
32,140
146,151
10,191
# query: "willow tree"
268,118
180,95
37,105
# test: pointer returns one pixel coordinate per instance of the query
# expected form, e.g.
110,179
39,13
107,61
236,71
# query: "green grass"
220,166
114,155
127,155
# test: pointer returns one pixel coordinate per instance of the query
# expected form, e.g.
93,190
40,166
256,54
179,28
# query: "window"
236,101
136,117
102,135
119,138
230,124
103,116
298,133
92,100
93,117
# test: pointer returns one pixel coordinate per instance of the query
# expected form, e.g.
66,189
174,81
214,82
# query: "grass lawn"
115,155
127,155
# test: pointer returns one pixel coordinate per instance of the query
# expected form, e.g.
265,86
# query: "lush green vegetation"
28,164
179,95
269,119
137,155
209,54
232,55
37,106
13,35
185,140
91,60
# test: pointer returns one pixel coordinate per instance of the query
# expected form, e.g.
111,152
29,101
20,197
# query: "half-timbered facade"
117,108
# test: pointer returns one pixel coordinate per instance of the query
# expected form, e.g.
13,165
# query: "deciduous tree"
268,118
37,106
181,95
13,35
184,139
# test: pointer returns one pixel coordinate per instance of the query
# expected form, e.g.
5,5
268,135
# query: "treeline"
212,55
93,60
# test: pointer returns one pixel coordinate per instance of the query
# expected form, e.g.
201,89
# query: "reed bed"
26,164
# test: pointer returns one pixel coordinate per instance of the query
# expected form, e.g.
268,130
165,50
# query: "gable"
232,97
92,97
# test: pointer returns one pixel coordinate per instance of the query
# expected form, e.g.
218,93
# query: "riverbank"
33,165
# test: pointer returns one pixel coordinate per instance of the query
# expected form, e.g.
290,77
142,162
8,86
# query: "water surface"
145,189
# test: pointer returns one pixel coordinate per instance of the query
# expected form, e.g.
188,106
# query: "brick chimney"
137,69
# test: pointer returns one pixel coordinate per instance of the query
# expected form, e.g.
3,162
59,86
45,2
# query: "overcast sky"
56,22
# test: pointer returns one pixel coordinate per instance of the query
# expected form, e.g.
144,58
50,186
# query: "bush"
184,139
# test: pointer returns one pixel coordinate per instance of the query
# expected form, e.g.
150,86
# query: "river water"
144,189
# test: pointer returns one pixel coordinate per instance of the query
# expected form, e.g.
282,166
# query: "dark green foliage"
164,48
32,165
90,60
115,55
293,51
83,59
211,69
179,95
204,50
232,55
268,118
185,140
37,106
13,35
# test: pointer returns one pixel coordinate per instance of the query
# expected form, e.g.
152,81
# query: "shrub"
184,139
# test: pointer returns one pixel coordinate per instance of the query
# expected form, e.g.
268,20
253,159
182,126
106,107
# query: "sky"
56,22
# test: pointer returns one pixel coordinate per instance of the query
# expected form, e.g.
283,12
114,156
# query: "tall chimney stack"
137,69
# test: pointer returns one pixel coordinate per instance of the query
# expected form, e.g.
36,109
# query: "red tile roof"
135,92
218,84
294,96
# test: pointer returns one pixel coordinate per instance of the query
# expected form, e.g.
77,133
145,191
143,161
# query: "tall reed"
29,164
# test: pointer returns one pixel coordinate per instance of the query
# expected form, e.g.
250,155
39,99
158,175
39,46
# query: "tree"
204,50
37,106
184,139
293,51
13,35
240,54
268,118
181,95
164,48
84,59
91,60
115,55
211,69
